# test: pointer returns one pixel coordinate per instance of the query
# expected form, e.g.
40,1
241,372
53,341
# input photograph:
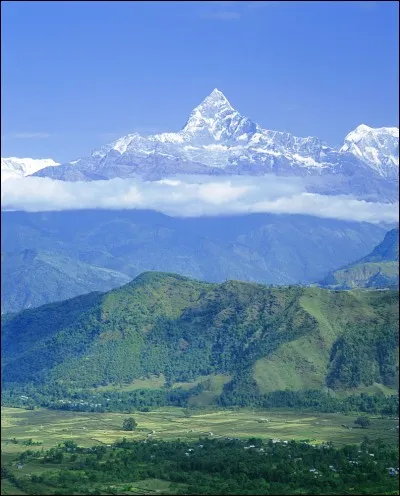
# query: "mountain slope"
272,249
217,139
31,278
379,269
171,325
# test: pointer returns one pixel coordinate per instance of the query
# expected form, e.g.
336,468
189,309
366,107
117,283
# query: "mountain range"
218,140
48,256
220,338
88,250
34,277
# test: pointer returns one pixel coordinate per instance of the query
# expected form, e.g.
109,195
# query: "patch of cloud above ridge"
192,196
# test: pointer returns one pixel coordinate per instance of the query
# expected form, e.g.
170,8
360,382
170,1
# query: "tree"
363,422
129,424
4,472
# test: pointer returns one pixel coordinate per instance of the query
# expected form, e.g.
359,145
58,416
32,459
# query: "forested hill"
258,338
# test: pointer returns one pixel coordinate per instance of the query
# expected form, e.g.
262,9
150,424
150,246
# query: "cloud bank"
191,196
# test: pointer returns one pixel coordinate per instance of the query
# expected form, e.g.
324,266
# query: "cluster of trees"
373,358
243,394
217,467
363,422
311,399
129,424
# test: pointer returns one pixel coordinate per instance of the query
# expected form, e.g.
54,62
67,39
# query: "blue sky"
76,75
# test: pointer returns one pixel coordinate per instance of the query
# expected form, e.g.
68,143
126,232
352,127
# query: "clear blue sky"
76,75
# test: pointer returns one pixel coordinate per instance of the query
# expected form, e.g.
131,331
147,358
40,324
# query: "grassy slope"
303,363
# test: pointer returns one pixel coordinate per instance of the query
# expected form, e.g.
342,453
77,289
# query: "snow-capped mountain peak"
377,147
215,102
216,120
217,139
12,167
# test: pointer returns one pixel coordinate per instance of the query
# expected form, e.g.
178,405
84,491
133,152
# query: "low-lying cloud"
192,196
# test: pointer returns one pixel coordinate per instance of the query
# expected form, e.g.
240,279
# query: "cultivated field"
87,429
50,427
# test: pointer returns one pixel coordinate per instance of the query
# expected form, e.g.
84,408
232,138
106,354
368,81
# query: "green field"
87,429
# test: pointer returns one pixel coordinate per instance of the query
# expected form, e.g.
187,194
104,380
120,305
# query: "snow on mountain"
379,148
13,167
217,139
218,136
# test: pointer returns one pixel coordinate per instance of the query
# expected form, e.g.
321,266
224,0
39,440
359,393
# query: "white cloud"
26,135
191,196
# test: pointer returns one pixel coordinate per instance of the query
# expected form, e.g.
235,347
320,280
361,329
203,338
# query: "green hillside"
256,338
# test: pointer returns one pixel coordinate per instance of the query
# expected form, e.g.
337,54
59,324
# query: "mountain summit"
217,139
212,103
379,148
216,120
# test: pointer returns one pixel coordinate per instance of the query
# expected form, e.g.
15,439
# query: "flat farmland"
51,427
